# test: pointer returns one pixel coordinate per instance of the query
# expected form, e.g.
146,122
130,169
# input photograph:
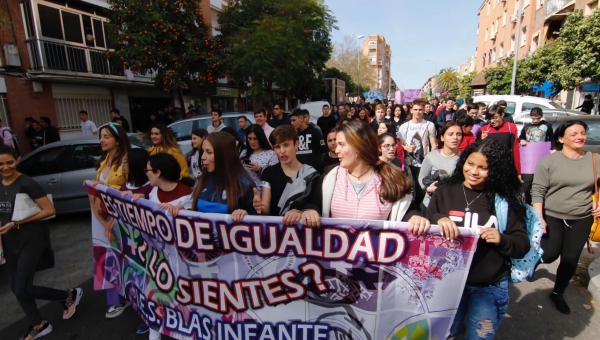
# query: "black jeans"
565,238
527,183
21,272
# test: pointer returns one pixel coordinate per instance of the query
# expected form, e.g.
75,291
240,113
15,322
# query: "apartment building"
497,31
53,64
379,54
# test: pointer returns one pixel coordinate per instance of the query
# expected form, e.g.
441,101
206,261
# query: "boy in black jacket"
311,142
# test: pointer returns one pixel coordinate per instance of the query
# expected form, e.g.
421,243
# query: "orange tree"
167,38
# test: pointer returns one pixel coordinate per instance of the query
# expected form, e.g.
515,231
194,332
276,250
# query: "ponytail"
394,183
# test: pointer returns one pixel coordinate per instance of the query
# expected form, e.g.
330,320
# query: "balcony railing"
48,55
552,6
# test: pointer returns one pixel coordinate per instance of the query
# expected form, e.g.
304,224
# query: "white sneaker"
116,310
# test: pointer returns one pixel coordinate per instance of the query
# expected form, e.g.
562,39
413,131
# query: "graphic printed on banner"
202,276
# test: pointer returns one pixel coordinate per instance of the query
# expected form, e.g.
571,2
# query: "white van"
517,104
314,108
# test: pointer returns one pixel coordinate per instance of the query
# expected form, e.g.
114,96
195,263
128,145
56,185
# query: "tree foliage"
168,38
447,79
464,84
282,42
346,56
499,78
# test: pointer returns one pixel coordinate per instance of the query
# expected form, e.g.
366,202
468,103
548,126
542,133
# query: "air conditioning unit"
513,18
11,53
493,36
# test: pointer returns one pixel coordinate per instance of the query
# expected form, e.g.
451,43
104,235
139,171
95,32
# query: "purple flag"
411,95
531,154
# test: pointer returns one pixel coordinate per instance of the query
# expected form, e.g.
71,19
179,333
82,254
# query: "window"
183,130
535,43
524,36
512,43
50,22
372,50
4,110
510,107
590,7
47,162
494,54
85,156
67,108
73,22
371,43
529,106
504,19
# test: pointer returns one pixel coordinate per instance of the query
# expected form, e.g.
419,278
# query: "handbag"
595,231
25,207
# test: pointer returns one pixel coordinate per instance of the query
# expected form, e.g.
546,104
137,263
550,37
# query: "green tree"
276,42
166,38
447,79
464,84
346,56
576,51
499,78
539,67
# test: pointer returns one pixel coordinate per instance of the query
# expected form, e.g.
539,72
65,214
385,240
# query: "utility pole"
360,37
517,46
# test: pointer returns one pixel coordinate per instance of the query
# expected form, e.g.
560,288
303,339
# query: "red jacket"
467,140
507,134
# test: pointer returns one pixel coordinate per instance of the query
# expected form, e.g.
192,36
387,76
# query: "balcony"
73,60
553,6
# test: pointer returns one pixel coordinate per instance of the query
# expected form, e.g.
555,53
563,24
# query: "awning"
479,80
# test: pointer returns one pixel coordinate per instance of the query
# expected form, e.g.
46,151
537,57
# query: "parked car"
182,129
523,118
517,104
314,108
61,167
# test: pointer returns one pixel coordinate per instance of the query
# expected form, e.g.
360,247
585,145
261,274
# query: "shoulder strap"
595,176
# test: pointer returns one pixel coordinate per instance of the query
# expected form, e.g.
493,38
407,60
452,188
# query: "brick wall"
7,35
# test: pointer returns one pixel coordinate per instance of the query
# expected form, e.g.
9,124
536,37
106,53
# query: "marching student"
258,154
25,244
286,185
330,157
134,168
504,132
197,138
484,171
311,144
538,131
362,186
163,141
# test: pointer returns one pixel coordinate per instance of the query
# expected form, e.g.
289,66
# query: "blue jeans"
483,309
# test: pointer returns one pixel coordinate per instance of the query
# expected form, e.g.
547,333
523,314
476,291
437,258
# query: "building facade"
379,54
497,31
53,64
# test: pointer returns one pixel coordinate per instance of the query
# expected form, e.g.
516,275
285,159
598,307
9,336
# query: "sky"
443,31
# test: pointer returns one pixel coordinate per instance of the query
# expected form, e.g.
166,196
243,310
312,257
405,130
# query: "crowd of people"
425,162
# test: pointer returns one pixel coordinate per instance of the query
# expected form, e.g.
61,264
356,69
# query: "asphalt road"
530,314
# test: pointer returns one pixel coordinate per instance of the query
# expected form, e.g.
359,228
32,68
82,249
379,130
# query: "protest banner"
202,276
532,154
411,95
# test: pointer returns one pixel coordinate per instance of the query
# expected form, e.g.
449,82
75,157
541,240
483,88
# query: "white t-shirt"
88,128
417,134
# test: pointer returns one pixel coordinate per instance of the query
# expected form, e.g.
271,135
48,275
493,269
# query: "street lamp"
358,59
436,69
513,79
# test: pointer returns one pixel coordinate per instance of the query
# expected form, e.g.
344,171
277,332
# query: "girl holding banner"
484,172
379,190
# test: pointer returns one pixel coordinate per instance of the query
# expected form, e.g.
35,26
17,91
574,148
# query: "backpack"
522,268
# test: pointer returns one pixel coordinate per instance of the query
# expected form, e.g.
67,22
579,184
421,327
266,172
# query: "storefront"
225,99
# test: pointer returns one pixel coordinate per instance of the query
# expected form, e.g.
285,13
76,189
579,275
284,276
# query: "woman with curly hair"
484,172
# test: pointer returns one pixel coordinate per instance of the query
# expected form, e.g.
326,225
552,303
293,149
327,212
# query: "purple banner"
531,154
203,276
411,95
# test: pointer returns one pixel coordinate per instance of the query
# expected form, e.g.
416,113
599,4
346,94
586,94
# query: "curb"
594,283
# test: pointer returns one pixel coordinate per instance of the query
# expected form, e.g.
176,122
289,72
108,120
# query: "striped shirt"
346,203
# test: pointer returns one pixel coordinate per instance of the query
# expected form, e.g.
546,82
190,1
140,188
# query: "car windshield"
556,106
140,140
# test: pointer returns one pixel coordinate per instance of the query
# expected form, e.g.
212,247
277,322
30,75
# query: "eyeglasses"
388,146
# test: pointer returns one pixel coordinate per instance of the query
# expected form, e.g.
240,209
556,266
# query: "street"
530,315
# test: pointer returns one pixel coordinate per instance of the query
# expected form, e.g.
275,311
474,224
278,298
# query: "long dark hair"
391,128
137,160
123,144
262,139
236,136
361,137
199,133
402,113
229,174
502,175
168,140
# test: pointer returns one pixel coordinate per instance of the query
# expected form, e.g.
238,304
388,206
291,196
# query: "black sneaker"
560,303
38,331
